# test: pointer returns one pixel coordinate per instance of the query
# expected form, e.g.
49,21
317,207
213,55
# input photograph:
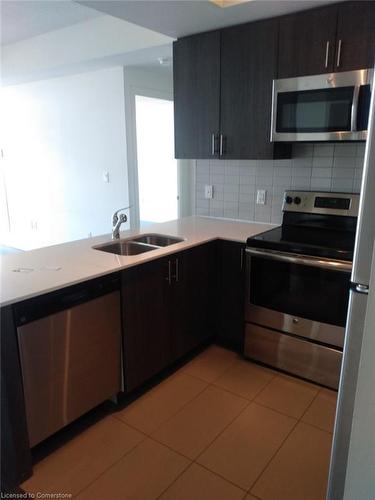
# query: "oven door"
331,107
299,295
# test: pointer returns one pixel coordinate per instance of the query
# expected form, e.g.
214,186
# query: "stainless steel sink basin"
139,244
159,240
125,247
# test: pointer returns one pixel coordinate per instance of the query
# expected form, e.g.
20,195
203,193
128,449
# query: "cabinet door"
307,42
231,294
192,298
196,73
248,66
355,47
145,322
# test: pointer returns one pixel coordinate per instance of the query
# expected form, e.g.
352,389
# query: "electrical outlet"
208,192
261,197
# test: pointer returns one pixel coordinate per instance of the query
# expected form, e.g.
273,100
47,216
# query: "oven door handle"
303,260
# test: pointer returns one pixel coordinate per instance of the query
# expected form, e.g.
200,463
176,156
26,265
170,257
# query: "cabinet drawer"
308,360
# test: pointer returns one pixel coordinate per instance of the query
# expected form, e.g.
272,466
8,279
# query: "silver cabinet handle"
327,54
339,54
169,277
213,145
221,150
353,120
176,276
242,259
303,260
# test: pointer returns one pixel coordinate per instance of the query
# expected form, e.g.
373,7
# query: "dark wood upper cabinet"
248,66
196,74
355,47
307,42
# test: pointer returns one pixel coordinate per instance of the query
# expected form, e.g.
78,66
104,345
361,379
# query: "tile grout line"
110,467
273,456
298,421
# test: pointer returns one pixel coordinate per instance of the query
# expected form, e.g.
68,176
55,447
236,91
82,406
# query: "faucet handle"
115,215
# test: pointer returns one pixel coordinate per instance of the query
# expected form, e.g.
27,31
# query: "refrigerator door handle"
361,289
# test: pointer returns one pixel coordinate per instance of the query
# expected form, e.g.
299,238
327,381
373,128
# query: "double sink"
139,244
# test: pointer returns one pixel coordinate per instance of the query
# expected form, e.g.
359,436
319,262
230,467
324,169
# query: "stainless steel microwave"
329,107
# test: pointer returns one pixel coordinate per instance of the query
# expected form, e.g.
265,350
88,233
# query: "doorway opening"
157,168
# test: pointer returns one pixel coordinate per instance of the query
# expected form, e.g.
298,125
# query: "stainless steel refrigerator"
360,279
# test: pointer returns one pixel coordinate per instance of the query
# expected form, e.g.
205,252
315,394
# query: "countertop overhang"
36,272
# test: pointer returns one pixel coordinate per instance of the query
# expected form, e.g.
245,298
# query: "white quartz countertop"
29,274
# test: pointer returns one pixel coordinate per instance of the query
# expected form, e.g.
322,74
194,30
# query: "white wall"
155,82
360,475
58,137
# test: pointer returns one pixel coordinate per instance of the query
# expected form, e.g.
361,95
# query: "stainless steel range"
298,286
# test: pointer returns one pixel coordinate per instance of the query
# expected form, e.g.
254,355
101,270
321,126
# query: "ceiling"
178,18
24,19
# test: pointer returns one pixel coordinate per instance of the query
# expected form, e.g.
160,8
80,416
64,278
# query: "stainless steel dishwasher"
70,352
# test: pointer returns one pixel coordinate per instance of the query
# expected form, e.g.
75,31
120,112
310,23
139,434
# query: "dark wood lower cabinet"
167,311
192,315
231,294
15,451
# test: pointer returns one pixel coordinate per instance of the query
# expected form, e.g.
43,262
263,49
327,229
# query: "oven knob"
297,200
288,200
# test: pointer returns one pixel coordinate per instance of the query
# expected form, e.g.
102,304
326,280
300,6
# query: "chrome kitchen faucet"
117,220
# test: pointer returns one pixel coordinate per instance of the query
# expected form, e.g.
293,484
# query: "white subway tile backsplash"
347,173
320,183
301,171
357,185
303,183
231,168
321,172
345,185
345,150
285,171
217,179
322,161
247,179
325,167
323,150
343,162
230,196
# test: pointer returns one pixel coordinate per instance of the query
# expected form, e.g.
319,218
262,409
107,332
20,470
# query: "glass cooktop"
326,243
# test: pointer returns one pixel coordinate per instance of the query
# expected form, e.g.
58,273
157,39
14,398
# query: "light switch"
261,197
106,176
208,192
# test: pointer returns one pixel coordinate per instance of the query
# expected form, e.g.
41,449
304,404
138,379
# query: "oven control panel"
311,202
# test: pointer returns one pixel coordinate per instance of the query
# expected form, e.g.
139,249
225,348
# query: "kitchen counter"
29,274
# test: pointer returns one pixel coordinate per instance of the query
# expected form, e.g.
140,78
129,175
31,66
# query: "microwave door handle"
354,114
303,260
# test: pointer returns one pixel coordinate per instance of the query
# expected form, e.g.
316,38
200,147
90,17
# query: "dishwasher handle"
66,298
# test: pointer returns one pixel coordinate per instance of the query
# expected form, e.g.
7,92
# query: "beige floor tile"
162,402
200,421
76,464
245,379
198,483
288,395
322,411
300,468
211,363
143,474
242,451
